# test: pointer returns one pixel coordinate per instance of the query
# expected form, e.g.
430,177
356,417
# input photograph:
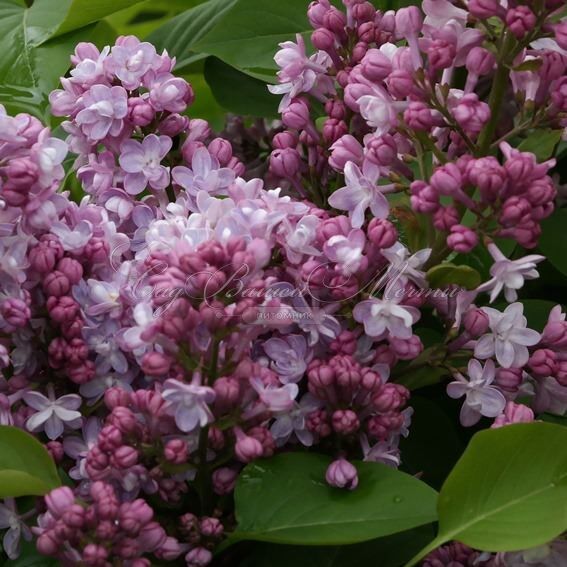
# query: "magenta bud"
408,21
173,125
224,480
323,39
248,449
480,61
345,422
485,9
520,20
198,557
285,163
284,140
476,322
296,115
156,364
140,111
342,474
462,239
222,150
382,233
543,362
345,149
514,413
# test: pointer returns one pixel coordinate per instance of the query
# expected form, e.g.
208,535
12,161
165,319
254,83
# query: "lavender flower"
189,403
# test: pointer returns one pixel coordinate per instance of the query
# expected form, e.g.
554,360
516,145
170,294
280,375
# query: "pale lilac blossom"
189,403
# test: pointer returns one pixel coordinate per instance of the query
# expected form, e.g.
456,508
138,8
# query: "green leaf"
25,466
507,492
439,277
36,43
180,34
247,34
30,557
552,240
286,500
542,143
237,92
390,551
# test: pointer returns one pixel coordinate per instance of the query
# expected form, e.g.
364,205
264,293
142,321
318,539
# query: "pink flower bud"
347,148
296,115
46,254
334,129
476,322
62,309
485,9
406,349
381,150
447,179
324,39
513,210
441,54
47,544
285,163
335,20
156,364
221,149
514,413
140,111
559,94
198,557
520,20
335,108
345,422
173,125
480,61
342,474
488,175
58,500
446,217
316,12
211,527
471,113
125,457
424,198
284,140
408,21
176,451
560,31
15,312
462,239
543,362
153,536
375,65
224,480
247,448
419,116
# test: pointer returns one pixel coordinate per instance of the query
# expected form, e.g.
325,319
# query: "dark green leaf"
286,500
237,92
180,34
542,143
443,275
30,557
247,35
391,551
508,491
552,241
25,466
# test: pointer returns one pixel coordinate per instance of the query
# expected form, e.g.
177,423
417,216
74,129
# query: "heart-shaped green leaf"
286,500
25,466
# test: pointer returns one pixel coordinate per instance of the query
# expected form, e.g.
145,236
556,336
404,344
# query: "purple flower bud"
140,111
406,349
176,451
22,173
15,312
47,544
462,239
285,163
284,140
488,175
543,362
62,309
480,61
471,113
94,554
424,198
58,500
559,94
363,12
419,116
296,115
156,364
408,21
124,457
520,20
382,233
211,527
74,516
71,268
198,557
446,217
441,53
56,283
514,413
366,32
334,129
447,179
560,31
153,536
381,150
342,474
247,448
132,516
173,125
221,149
513,210
224,480
485,9
335,108
375,65
316,12
345,149
390,397
509,379
324,39
335,20
345,422
476,322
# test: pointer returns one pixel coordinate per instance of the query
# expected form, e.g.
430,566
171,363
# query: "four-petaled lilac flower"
10,519
131,59
289,357
381,452
78,447
276,399
480,397
361,192
299,239
347,251
294,422
509,275
509,339
385,315
73,239
380,110
52,414
104,111
142,163
206,175
189,403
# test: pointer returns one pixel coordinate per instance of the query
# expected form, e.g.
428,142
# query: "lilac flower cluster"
186,318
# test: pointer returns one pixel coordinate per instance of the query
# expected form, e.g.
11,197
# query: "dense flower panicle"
191,315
